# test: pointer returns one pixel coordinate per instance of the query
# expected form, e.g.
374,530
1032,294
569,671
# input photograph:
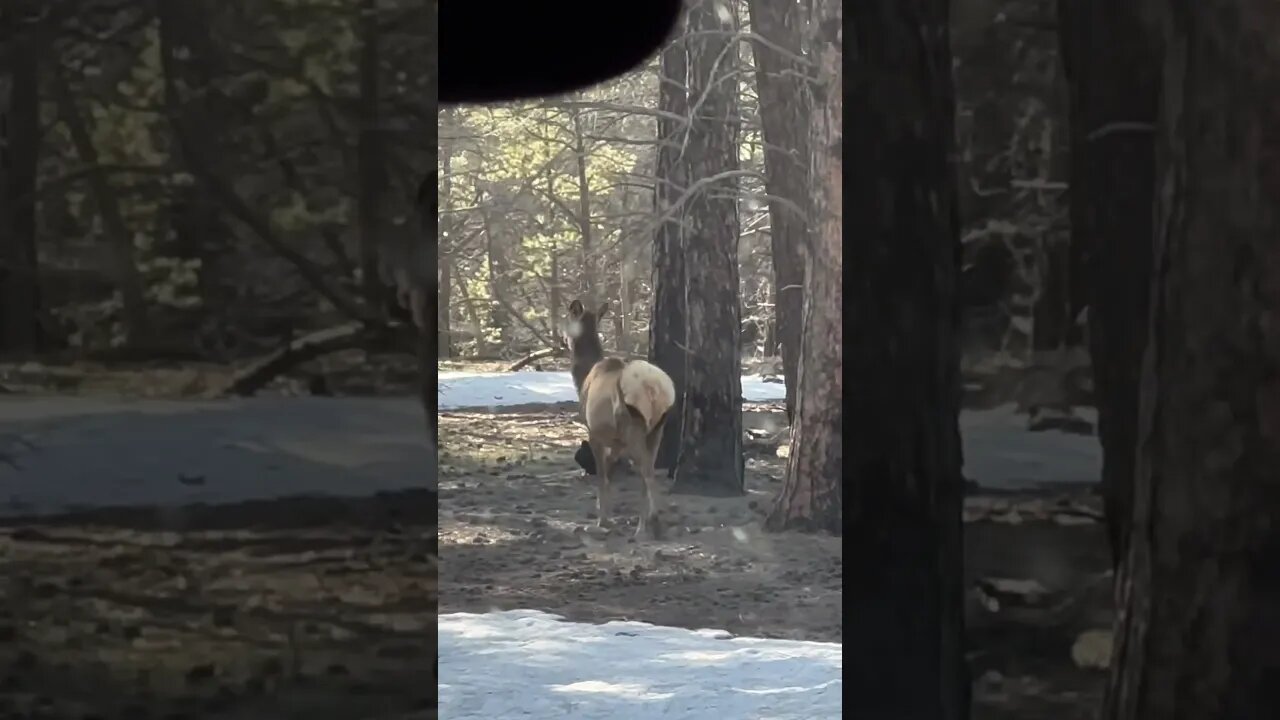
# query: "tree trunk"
371,160
905,553
589,261
811,496
1114,82
423,294
19,159
711,459
449,234
667,323
495,263
556,289
784,120
625,302
120,252
443,321
198,215
1198,630
1051,319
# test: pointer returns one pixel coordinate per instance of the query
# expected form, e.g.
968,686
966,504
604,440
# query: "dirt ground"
324,608
516,519
269,610
264,610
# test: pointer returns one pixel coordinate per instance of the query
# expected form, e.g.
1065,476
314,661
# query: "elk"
410,260
624,404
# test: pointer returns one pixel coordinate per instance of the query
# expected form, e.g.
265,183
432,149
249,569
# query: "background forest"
160,208
196,181
544,201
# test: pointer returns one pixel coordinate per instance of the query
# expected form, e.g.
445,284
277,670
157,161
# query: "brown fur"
624,422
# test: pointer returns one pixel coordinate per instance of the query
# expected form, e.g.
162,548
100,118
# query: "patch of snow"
497,389
1000,453
530,664
81,452
70,452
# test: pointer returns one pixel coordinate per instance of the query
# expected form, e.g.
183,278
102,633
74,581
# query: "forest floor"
516,526
273,609
322,608
270,610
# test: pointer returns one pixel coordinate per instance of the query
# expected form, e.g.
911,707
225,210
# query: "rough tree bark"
711,459
200,219
423,303
119,252
1052,317
19,147
784,120
667,326
905,550
811,496
424,263
586,231
445,292
1198,593
1113,78
371,156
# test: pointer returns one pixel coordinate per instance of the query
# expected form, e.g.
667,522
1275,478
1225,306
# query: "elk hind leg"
650,524
601,454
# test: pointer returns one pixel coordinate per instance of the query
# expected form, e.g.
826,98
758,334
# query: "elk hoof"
650,529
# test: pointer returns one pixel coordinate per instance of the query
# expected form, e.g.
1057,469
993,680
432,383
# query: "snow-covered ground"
467,389
999,452
77,452
528,664
80,451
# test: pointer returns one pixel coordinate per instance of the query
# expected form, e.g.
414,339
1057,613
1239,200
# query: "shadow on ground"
517,531
294,608
72,452
515,519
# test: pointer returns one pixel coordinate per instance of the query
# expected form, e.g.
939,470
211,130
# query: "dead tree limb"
258,374
534,357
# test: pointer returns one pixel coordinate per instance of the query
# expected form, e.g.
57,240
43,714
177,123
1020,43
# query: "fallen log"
255,376
534,357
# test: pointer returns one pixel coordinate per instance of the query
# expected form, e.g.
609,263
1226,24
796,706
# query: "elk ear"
604,308
575,309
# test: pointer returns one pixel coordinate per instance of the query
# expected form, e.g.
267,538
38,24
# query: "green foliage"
279,120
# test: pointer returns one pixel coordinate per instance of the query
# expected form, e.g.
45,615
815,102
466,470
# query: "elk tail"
648,390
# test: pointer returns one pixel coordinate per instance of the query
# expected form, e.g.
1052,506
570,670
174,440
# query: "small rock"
1012,517
1071,519
271,667
26,660
201,673
222,698
224,616
1030,591
991,677
1092,650
399,650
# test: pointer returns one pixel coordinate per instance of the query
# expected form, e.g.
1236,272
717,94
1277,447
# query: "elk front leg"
601,454
650,524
